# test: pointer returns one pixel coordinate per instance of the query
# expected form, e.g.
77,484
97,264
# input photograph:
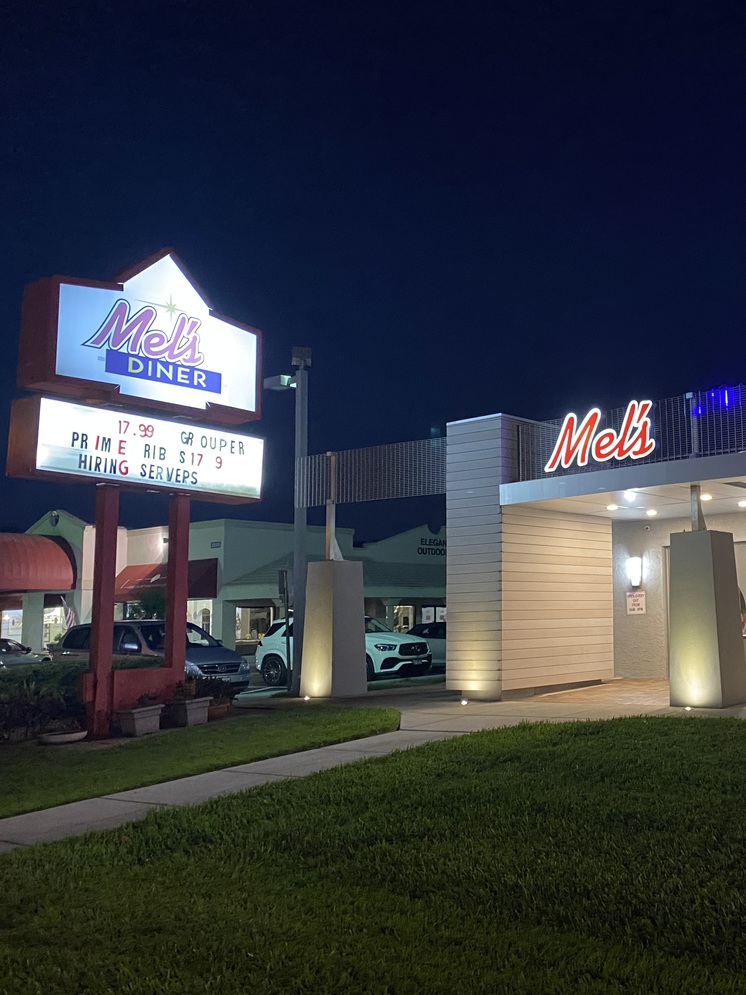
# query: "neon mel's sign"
152,337
579,443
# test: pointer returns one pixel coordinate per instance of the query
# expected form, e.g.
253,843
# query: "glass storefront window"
252,623
199,611
403,618
12,623
54,624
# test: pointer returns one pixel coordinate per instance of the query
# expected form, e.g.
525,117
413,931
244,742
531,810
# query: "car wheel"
273,671
369,669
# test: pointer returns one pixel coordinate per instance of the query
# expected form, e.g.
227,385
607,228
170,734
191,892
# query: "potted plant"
143,718
185,709
63,730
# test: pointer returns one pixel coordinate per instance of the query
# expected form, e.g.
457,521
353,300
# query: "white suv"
386,652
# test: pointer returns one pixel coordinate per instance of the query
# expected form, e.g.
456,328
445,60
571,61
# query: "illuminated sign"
152,337
131,449
581,442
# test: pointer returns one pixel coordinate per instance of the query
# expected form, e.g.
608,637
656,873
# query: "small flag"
70,618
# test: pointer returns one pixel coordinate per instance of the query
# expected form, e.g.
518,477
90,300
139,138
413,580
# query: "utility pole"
301,360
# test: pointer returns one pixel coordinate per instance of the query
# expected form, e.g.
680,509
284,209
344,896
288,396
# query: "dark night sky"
462,208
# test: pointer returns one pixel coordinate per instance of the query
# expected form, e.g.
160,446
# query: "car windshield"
278,628
375,625
198,637
154,635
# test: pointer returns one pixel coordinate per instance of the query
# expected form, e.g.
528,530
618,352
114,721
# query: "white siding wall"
476,465
557,598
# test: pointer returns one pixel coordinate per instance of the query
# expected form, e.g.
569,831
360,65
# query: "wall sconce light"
634,570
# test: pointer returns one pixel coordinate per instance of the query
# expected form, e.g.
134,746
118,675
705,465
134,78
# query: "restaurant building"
233,576
560,537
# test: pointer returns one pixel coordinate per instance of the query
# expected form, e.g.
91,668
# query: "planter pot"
140,721
219,711
187,712
57,738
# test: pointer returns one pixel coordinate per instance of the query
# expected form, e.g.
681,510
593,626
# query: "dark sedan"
13,654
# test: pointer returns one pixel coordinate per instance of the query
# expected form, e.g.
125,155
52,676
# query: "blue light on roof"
719,397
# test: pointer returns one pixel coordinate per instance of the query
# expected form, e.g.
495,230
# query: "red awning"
141,577
134,580
34,563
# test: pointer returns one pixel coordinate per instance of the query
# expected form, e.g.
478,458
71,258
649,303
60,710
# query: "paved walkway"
427,714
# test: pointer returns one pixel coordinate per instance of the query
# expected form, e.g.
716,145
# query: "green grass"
597,857
34,776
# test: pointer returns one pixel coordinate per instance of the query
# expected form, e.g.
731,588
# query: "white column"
334,634
224,622
706,652
32,625
481,454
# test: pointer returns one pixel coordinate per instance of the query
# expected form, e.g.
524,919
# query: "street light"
301,359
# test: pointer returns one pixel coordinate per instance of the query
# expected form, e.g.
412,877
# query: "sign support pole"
177,584
300,524
102,610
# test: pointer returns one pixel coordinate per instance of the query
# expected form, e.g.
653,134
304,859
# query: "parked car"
435,634
386,652
13,653
205,656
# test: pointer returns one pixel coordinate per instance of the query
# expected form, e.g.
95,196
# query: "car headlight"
192,670
244,668
385,647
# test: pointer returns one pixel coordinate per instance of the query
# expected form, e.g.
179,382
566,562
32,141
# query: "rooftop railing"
703,423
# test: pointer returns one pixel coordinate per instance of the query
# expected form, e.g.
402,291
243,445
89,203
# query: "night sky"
461,208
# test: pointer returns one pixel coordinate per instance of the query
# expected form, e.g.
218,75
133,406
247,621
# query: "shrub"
215,688
33,695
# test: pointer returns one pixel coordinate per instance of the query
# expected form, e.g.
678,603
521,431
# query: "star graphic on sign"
169,307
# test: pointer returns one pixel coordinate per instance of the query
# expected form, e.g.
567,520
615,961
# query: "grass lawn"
596,857
34,776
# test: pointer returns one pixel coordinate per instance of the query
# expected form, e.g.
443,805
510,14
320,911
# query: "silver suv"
386,652
205,656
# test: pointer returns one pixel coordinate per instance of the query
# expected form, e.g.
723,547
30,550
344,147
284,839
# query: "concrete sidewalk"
431,713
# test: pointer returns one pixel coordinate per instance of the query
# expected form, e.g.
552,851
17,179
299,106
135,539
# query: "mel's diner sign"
149,342
151,337
577,443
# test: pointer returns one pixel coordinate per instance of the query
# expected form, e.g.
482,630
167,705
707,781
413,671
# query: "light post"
301,360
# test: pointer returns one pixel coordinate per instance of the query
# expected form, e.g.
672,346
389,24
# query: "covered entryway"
557,577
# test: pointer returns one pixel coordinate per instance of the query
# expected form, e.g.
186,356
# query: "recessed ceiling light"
742,504
629,495
615,507
705,497
651,512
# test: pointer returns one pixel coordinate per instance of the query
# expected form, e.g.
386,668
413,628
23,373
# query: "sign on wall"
636,603
579,442
75,441
152,337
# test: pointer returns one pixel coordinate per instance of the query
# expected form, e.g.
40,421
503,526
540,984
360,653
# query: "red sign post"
150,336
